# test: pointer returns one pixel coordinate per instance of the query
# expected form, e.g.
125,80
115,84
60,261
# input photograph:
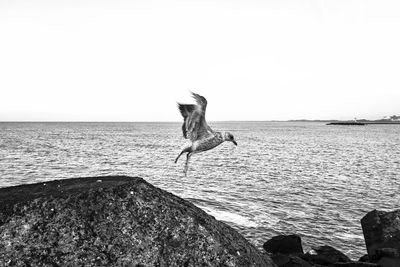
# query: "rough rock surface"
381,230
113,221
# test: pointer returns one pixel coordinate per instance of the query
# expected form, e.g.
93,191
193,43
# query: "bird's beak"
234,142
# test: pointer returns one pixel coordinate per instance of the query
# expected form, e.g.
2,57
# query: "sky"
120,60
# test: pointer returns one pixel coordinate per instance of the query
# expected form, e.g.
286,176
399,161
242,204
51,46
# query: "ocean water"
311,179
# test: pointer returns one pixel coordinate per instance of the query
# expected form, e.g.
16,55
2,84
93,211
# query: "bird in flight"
197,130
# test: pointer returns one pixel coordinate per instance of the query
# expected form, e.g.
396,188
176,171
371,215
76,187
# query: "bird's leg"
187,163
186,149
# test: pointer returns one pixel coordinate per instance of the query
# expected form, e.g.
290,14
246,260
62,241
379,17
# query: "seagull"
196,129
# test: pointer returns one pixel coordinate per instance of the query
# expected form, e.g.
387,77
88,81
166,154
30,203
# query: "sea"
304,178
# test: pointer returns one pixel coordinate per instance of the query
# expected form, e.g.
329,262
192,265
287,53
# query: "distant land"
386,120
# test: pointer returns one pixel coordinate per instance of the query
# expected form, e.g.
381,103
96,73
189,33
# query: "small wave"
227,216
349,236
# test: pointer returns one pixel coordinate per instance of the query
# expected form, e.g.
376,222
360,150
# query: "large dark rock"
381,230
382,237
285,244
113,221
325,255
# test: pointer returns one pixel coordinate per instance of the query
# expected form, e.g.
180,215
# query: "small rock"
355,264
283,260
280,259
388,262
387,252
285,244
364,258
325,255
297,262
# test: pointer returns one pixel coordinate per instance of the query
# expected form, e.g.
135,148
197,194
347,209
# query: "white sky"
253,60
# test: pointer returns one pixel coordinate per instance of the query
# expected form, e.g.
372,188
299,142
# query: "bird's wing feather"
186,111
195,126
201,102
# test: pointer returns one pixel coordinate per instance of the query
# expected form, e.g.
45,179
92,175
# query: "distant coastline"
352,122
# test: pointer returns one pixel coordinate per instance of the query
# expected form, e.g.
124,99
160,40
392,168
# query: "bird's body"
197,130
208,143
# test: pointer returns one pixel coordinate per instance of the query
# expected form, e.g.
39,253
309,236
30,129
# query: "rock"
388,262
364,258
120,221
381,230
285,244
297,262
283,260
325,255
280,259
387,252
355,264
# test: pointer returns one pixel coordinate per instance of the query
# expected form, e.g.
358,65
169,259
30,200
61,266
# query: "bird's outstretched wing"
194,125
201,102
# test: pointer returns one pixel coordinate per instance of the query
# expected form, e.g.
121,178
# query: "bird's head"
229,137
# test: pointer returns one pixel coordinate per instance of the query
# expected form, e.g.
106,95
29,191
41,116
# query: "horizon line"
123,121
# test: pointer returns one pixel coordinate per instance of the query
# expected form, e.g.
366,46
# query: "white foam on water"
349,236
227,216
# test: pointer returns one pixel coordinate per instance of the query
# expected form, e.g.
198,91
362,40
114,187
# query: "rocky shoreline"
382,238
125,221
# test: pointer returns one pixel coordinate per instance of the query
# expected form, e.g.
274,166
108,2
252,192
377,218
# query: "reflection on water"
306,178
